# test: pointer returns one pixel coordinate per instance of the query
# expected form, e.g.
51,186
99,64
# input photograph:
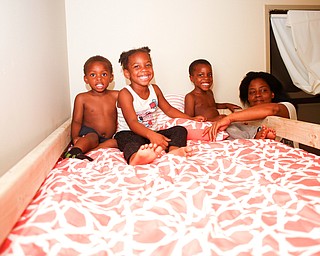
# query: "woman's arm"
259,112
253,113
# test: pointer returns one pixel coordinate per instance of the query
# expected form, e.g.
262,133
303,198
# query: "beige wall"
35,52
35,96
229,33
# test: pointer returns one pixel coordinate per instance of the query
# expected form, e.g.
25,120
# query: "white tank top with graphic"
145,110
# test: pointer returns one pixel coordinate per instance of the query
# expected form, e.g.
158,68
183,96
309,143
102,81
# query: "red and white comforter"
241,197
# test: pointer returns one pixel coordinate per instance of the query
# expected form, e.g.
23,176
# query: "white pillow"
175,100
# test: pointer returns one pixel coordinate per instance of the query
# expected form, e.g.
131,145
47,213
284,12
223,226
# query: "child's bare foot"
266,133
183,151
271,134
146,154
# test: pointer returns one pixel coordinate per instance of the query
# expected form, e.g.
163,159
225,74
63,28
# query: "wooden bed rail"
19,185
302,132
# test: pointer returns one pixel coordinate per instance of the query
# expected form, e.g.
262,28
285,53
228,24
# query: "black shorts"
85,130
130,142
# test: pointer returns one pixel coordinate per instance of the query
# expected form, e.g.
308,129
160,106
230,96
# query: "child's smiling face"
140,70
202,77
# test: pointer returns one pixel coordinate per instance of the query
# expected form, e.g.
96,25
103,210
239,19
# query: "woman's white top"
291,109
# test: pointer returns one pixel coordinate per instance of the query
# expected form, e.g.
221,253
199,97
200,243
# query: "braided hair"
124,57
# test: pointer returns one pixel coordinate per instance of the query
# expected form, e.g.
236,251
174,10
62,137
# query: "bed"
240,197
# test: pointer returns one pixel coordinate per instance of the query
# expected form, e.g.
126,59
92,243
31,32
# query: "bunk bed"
239,197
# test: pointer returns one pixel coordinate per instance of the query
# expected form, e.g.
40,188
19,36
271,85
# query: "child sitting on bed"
200,101
138,136
94,119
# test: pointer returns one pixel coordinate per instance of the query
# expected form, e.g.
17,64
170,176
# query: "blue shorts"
85,130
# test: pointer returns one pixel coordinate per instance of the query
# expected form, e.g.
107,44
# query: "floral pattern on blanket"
241,197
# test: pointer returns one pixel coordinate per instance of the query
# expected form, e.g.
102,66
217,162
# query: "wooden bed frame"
19,185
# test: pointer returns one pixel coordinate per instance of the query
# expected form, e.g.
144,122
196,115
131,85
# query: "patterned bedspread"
241,197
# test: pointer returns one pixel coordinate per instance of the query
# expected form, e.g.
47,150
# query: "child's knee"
181,130
93,138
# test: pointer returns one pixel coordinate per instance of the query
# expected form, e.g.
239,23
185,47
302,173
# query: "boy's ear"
126,74
191,78
85,79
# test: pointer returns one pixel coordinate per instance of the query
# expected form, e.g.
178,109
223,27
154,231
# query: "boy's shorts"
85,130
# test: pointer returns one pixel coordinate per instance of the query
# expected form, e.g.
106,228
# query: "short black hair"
275,86
124,57
97,58
195,63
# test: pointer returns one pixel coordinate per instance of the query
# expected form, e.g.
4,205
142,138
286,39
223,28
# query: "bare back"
201,104
96,111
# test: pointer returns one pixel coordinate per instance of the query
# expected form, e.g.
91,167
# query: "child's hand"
199,118
159,139
233,107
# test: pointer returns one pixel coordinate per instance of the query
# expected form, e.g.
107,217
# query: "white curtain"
298,38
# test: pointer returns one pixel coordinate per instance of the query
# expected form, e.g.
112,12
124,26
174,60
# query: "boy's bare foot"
266,133
146,154
183,151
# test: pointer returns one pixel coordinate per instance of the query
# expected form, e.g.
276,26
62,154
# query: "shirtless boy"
94,119
200,101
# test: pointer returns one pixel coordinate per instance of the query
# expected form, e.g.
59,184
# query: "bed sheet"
241,197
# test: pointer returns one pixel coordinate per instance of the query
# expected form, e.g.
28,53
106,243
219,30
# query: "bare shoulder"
82,96
190,96
114,93
123,91
162,101
156,89
158,92
210,92
124,96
